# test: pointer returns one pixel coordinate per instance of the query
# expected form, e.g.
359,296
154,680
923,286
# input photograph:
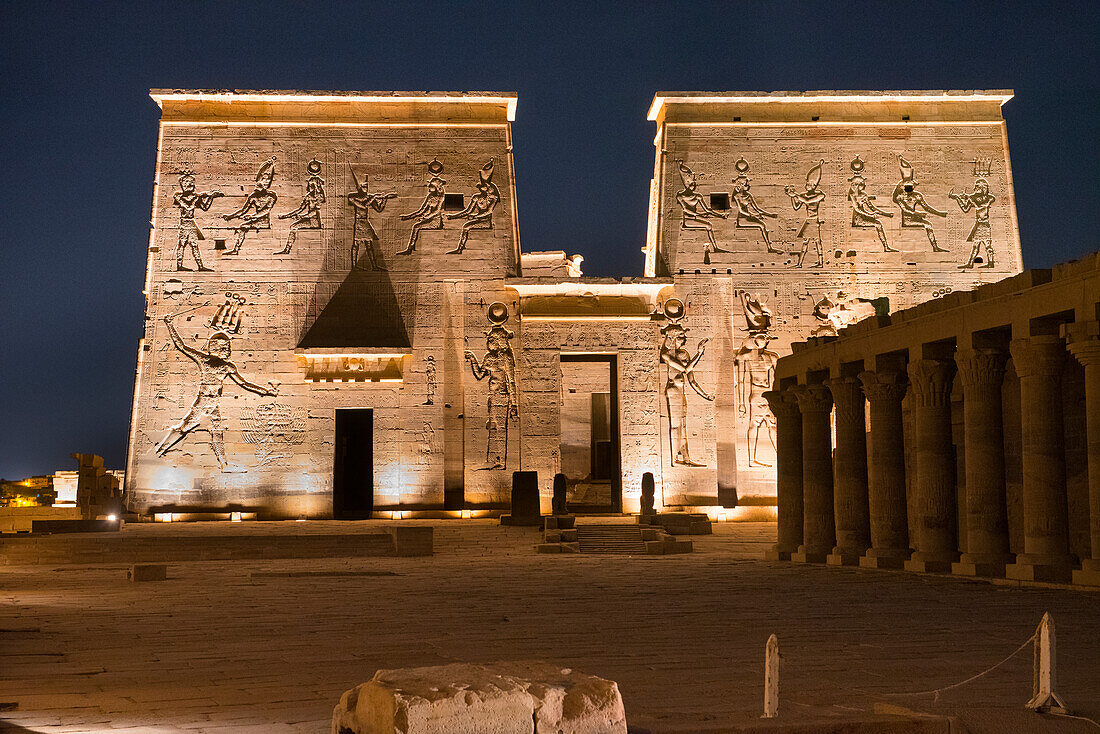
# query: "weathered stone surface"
499,698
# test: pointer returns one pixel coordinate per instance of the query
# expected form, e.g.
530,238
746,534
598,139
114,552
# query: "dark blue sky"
79,135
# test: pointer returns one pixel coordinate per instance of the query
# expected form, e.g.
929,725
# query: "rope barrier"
938,691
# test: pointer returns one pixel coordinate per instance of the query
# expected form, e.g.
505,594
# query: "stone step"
624,539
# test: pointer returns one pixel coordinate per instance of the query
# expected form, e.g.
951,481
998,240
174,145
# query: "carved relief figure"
214,368
430,213
499,365
758,317
680,365
573,265
755,369
187,200
308,213
912,202
749,213
811,199
980,199
362,231
273,427
479,213
255,212
696,211
832,316
865,215
429,375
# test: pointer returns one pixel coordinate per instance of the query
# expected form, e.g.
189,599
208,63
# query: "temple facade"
340,320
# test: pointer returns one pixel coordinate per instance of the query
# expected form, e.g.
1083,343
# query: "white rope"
938,691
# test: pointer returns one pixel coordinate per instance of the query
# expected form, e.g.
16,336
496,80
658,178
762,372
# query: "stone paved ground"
217,649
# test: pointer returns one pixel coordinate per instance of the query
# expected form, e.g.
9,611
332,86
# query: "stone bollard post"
771,678
1044,699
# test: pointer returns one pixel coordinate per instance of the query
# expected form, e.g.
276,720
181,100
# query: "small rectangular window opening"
720,201
454,202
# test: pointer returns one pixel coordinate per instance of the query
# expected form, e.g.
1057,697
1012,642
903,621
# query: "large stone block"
523,697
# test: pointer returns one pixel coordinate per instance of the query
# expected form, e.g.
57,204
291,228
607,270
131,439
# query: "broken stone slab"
522,697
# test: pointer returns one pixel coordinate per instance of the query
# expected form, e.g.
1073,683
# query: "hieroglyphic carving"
429,376
680,365
749,214
187,200
308,214
695,211
362,230
811,199
912,202
256,210
865,215
479,212
755,366
214,367
980,200
430,213
273,426
499,365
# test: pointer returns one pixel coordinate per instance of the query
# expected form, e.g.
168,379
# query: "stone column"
936,546
1039,361
1084,344
818,529
886,492
982,373
788,444
853,531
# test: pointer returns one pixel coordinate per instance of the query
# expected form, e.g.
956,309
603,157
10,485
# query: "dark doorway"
353,469
590,432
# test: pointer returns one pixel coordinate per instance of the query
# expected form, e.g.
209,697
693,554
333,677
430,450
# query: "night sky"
80,132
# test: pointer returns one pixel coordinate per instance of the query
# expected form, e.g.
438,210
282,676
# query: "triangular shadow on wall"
363,312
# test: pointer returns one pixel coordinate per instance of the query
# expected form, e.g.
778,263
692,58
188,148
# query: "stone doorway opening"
589,410
353,468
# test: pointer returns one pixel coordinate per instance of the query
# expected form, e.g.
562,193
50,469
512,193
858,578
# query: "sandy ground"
242,646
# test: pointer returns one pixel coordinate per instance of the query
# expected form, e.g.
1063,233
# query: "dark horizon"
81,135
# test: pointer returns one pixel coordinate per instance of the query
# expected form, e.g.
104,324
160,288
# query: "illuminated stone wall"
786,215
318,251
237,409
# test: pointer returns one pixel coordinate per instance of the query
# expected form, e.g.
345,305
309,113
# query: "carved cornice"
1039,356
884,385
981,369
848,399
1083,341
813,398
931,380
783,403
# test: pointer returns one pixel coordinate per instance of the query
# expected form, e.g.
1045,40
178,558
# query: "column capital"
1038,356
783,403
1083,341
981,367
931,381
813,398
884,385
847,397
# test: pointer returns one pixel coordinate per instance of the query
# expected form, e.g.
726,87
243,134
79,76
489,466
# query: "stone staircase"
619,538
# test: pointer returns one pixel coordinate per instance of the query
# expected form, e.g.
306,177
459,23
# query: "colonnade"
842,439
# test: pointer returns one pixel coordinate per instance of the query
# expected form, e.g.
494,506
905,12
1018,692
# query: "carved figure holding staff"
680,365
499,365
362,231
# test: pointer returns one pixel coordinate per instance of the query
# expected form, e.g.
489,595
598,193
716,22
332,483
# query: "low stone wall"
19,519
119,548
